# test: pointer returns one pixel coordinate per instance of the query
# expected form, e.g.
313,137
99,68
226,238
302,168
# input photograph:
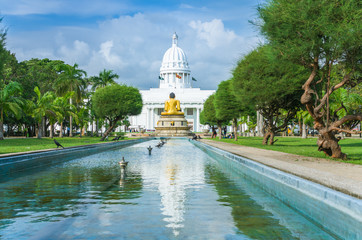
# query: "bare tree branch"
344,130
346,119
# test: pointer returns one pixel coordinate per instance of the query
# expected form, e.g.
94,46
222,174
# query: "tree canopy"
116,102
265,80
209,114
227,107
321,36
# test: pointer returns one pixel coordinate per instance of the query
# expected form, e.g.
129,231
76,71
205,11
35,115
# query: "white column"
198,119
147,113
152,118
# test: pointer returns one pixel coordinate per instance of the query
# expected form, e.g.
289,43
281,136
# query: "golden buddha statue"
172,106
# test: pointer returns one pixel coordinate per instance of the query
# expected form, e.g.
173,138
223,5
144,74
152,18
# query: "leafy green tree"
321,36
115,103
10,102
43,107
41,73
71,79
226,106
105,78
263,80
209,114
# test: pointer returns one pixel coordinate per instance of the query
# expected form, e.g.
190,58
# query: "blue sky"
131,36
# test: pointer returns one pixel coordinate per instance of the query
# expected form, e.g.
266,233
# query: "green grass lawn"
305,147
12,145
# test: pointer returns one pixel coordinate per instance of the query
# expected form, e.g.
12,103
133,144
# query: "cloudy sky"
131,36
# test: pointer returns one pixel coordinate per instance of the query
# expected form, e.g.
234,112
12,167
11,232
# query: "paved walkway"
343,177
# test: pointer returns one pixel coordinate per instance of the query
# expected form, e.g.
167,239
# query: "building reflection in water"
175,177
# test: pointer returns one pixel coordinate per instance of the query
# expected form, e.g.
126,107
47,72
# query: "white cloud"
106,53
78,53
213,32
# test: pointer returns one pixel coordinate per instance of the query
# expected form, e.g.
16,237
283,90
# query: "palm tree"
63,109
71,80
9,102
105,78
43,107
82,119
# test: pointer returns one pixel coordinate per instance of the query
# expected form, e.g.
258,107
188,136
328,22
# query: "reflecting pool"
178,192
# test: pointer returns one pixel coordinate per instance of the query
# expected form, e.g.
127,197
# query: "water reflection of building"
174,176
175,76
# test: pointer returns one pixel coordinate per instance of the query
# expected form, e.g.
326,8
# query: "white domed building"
175,76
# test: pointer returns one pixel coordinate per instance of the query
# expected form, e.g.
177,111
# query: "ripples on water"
179,192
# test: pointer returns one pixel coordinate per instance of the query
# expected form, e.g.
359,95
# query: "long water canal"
178,192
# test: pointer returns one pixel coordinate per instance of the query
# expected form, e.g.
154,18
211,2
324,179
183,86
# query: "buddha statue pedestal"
172,122
172,126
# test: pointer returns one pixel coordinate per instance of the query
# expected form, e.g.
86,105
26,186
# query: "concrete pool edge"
340,176
338,213
16,162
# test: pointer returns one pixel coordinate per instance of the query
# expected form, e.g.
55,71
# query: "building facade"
175,76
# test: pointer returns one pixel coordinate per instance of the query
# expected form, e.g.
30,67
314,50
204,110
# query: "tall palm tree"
71,80
105,78
9,102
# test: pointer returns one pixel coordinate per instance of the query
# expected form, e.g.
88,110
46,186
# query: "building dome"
175,71
175,57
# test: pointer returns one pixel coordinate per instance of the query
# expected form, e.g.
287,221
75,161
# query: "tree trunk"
39,135
304,130
328,143
112,125
1,130
92,129
71,121
51,130
97,128
61,130
266,138
2,125
44,129
260,123
70,126
235,124
220,132
269,136
271,141
82,131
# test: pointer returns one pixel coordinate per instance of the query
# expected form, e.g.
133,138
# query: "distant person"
214,134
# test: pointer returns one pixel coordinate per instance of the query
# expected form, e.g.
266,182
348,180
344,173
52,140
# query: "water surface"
179,192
